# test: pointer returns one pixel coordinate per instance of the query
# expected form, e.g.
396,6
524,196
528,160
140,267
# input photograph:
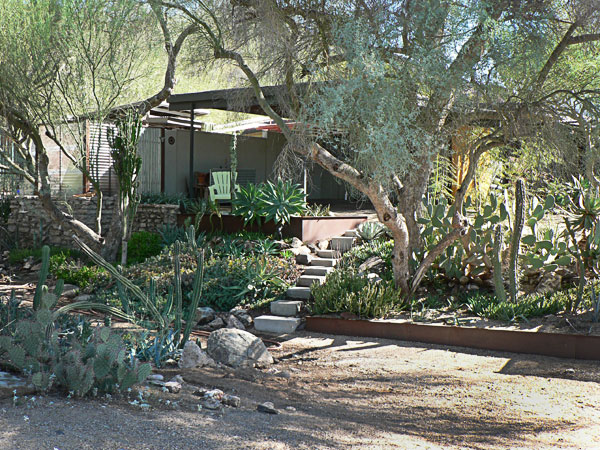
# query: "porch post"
191,184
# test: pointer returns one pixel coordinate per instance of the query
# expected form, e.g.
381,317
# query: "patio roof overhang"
237,99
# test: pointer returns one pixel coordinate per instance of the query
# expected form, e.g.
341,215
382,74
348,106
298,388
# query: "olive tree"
382,86
66,64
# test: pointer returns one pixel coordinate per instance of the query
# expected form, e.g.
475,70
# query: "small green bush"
346,291
64,267
143,245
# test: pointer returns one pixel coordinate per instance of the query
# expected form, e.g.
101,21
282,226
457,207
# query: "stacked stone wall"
30,225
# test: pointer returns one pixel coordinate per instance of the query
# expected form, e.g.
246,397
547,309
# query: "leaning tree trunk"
112,240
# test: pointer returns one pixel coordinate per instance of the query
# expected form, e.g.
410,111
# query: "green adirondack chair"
221,187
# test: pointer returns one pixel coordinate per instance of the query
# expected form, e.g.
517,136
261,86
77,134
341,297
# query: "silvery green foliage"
366,114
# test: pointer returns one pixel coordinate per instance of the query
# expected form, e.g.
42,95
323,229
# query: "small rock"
290,408
216,394
570,371
283,374
296,243
216,324
373,277
233,322
323,245
231,400
36,268
212,403
71,293
84,298
155,377
194,356
178,379
267,407
463,280
173,386
243,316
472,287
204,314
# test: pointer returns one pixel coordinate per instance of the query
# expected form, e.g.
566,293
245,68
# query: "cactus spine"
498,279
516,240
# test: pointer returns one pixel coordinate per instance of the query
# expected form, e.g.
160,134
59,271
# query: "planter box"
307,229
547,344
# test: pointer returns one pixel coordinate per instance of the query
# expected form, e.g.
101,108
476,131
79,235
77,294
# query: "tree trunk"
84,232
113,237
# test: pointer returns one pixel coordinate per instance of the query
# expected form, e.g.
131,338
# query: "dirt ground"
338,393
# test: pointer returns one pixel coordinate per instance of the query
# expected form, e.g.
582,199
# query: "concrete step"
276,325
286,308
299,292
351,233
309,280
323,262
318,270
328,254
342,243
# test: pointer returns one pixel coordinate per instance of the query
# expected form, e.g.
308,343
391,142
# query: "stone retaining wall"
30,226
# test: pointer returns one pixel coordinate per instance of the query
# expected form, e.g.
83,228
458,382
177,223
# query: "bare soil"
338,393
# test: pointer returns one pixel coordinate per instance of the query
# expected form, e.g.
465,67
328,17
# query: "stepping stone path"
284,313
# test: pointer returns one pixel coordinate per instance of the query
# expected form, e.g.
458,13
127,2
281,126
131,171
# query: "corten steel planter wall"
307,229
547,344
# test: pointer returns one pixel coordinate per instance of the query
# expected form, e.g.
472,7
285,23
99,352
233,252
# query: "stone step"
299,292
342,243
323,262
276,325
318,270
309,280
351,233
328,254
286,308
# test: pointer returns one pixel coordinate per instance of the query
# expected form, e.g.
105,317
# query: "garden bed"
560,345
306,228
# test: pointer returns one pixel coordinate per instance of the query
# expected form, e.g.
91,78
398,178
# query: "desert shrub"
142,245
73,271
236,271
347,291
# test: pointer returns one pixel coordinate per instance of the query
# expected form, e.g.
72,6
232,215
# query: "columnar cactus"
516,240
497,262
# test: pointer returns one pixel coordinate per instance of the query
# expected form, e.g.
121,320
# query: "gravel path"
338,393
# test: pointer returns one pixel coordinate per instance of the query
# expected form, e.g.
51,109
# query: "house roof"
236,99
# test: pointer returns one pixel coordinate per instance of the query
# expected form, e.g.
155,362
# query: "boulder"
296,243
216,324
237,348
194,356
204,314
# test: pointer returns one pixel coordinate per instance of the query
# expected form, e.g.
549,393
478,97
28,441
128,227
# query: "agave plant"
247,203
279,201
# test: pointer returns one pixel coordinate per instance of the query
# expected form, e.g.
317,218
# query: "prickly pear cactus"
497,261
516,240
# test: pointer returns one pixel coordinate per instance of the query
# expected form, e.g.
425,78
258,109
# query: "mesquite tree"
381,87
66,63
127,164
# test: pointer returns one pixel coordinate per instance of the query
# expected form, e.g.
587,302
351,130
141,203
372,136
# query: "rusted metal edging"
547,344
